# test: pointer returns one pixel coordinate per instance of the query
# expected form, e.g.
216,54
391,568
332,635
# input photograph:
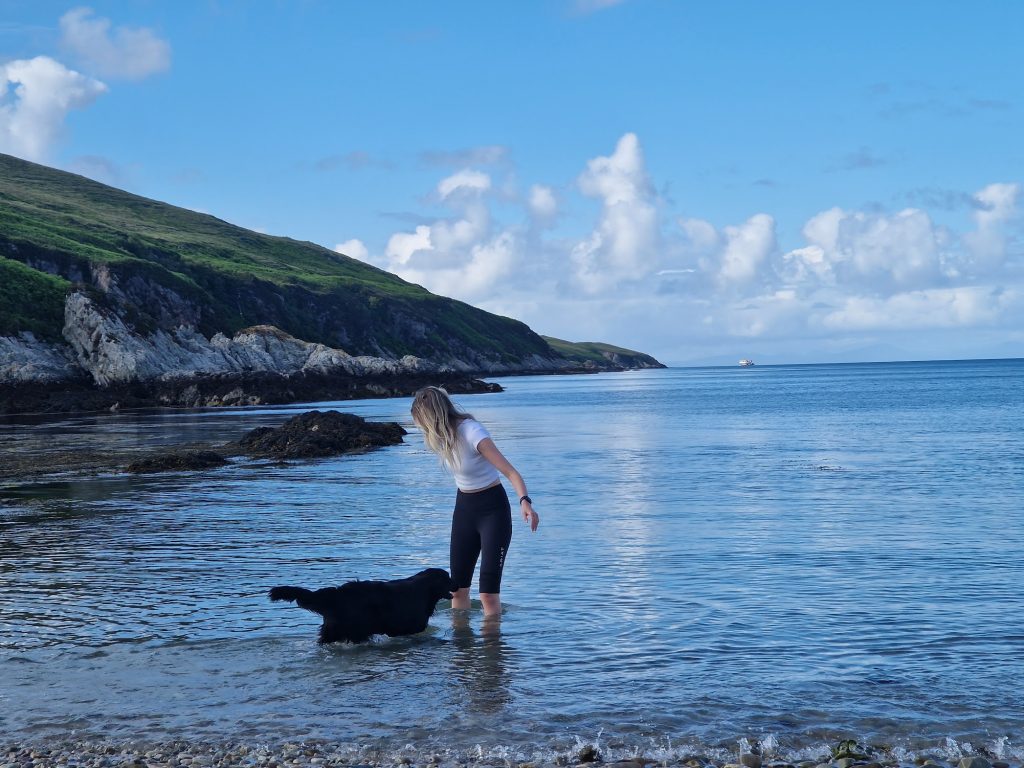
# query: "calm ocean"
788,555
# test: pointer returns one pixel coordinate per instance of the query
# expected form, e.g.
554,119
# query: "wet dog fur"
356,610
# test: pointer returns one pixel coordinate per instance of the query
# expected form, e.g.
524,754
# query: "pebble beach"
180,754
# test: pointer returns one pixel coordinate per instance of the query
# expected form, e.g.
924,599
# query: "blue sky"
791,182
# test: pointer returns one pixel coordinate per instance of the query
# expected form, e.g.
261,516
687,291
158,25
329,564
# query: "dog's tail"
301,597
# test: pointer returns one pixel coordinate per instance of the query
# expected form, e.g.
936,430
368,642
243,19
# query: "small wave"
571,749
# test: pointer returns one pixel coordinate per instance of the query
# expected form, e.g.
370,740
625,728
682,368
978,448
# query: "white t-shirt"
472,471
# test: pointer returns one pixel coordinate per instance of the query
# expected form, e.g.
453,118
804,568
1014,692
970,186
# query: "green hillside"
171,266
601,354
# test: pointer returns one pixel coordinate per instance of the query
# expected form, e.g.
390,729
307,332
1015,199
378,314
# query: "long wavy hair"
438,417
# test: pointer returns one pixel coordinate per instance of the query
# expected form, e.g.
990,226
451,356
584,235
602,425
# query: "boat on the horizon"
746,362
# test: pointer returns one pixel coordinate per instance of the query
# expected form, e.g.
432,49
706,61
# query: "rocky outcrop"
177,462
316,434
26,360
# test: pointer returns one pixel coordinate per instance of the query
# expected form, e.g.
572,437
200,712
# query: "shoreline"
182,753
261,388
42,399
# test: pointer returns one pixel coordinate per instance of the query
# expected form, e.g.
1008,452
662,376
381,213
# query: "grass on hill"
70,214
591,350
31,300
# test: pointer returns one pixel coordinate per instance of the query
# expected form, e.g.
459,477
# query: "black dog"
358,609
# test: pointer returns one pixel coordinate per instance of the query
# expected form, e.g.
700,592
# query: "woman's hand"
529,515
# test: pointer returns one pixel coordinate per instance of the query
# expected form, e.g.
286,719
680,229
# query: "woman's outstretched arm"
490,452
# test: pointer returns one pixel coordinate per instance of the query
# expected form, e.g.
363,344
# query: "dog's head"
438,582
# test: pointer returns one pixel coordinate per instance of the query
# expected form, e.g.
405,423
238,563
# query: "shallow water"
789,554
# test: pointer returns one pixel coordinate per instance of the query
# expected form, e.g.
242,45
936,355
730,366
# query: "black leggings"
482,523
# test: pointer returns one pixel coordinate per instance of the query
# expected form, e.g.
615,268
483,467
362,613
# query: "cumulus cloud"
35,98
354,248
542,203
877,251
995,207
403,245
462,255
624,244
747,248
473,276
132,53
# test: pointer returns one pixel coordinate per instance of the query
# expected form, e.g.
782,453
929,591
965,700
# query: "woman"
482,523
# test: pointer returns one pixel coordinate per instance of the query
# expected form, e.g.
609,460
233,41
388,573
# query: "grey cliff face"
113,353
101,346
25,360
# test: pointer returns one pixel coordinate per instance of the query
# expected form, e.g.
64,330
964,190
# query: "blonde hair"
438,417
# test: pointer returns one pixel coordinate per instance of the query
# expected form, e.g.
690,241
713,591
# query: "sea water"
788,555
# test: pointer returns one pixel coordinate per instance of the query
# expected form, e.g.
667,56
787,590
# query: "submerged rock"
176,462
317,434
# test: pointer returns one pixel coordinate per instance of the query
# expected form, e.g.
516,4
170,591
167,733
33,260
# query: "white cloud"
132,53
881,252
747,248
702,239
996,206
403,245
35,97
473,277
624,245
450,236
935,308
542,203
354,248
464,255
466,180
